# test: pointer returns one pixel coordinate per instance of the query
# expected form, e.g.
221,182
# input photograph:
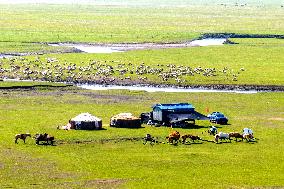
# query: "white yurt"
86,121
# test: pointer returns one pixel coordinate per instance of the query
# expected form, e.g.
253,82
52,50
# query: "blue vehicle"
218,117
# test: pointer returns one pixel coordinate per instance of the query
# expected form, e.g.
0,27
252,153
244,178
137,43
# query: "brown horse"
22,136
192,137
173,137
236,136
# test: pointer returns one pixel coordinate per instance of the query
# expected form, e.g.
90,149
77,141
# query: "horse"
149,138
44,137
236,136
212,131
192,137
222,136
173,137
22,136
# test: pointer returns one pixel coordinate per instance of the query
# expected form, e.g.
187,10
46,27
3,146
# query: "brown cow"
173,137
192,137
236,135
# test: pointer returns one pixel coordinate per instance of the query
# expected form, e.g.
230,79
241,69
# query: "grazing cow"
149,138
22,136
173,137
192,137
248,137
236,136
248,134
213,130
222,136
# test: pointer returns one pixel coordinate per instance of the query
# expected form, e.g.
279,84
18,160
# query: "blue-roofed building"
171,113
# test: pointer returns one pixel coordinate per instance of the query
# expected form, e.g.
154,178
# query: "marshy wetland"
151,48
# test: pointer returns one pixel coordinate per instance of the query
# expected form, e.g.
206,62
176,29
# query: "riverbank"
149,87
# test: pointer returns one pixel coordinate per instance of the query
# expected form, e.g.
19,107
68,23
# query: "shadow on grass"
190,143
129,127
193,127
212,141
46,144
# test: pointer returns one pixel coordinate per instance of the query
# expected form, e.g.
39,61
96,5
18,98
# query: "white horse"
222,136
22,136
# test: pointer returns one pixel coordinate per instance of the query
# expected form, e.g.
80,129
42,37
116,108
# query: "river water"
162,89
114,48
147,88
111,48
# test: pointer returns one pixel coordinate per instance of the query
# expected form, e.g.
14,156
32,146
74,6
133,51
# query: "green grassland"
261,60
29,48
86,159
109,158
173,21
15,84
122,23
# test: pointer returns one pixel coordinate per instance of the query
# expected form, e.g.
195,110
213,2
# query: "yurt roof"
87,117
124,116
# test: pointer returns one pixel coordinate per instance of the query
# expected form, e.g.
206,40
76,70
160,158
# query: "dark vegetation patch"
238,35
100,141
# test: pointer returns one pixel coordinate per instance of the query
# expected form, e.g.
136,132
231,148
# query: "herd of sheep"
106,72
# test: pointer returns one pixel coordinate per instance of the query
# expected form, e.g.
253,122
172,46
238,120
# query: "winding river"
122,47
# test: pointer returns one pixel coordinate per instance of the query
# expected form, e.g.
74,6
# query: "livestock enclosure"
42,72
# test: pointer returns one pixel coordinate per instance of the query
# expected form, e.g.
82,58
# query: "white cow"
248,134
222,136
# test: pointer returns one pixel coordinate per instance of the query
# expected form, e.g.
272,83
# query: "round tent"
86,121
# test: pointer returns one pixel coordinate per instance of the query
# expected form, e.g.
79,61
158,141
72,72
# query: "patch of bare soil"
59,92
98,184
41,173
276,118
30,169
2,165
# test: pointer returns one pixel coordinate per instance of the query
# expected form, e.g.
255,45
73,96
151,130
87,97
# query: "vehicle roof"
174,106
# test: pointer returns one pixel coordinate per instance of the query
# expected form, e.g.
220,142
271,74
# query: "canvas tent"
86,121
125,120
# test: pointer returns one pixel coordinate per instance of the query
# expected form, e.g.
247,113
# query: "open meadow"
116,157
